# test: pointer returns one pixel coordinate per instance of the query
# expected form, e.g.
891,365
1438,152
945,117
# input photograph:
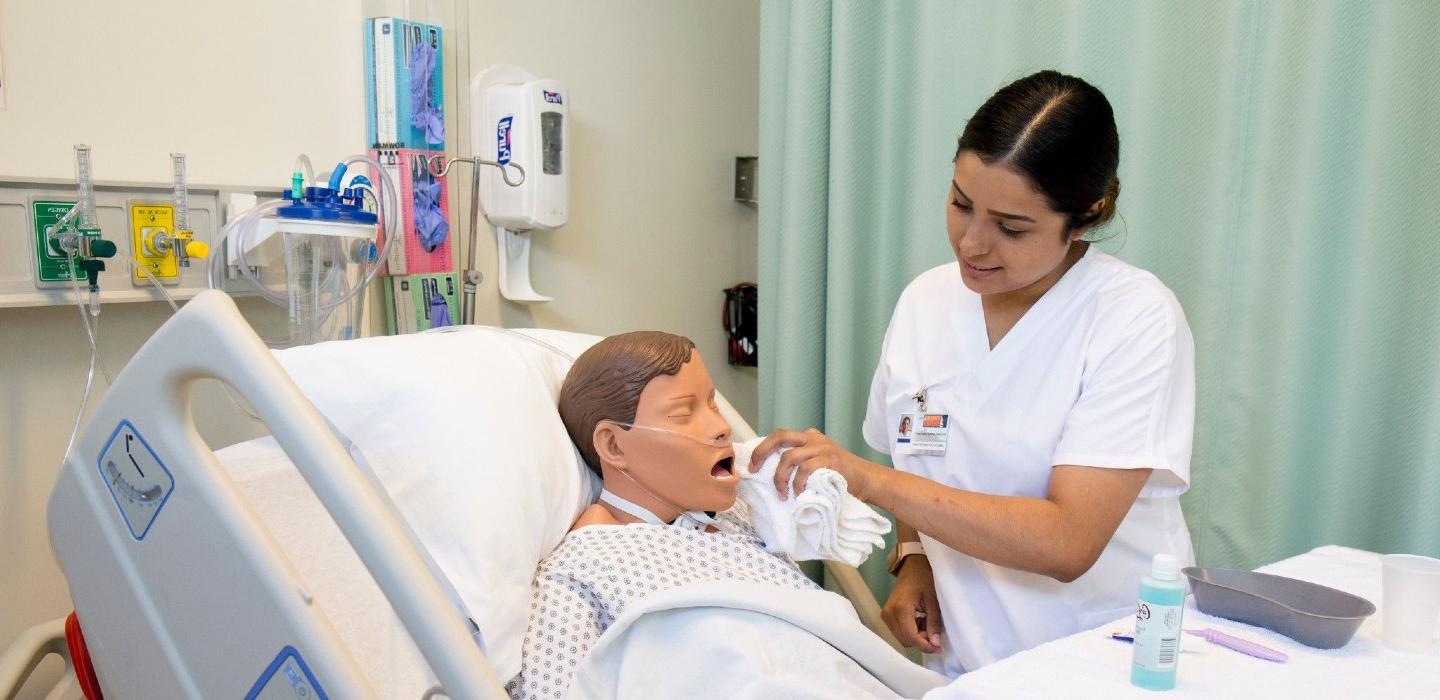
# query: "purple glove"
423,113
439,310
430,224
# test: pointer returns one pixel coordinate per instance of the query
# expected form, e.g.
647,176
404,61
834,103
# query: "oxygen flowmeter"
77,235
161,237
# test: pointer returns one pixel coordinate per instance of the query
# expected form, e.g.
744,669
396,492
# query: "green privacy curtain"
1280,170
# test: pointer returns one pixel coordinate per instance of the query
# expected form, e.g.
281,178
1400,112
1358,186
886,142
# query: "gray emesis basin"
1308,613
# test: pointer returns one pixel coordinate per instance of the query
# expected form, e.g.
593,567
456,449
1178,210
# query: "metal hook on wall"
440,167
440,162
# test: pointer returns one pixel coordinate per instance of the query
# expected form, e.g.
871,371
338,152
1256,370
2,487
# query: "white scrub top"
1100,372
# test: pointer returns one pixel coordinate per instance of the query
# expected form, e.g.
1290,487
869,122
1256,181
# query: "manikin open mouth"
724,469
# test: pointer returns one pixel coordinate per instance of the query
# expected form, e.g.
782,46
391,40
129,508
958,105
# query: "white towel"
823,522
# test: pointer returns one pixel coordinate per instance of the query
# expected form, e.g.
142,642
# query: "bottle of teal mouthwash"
1157,625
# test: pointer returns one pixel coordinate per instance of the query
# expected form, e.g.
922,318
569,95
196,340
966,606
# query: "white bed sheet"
338,580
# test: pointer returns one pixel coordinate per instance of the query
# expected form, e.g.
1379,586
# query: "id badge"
922,433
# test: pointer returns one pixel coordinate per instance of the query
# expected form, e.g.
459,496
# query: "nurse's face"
1003,232
686,472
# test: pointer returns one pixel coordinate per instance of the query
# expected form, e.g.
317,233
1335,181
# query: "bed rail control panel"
137,479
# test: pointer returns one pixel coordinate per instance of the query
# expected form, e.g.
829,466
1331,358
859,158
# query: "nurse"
1048,391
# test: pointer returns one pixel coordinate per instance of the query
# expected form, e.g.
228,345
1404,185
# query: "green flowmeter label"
53,265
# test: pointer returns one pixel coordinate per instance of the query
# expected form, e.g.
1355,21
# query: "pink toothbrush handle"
1241,645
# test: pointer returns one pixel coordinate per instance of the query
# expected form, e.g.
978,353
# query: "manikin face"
1004,233
685,472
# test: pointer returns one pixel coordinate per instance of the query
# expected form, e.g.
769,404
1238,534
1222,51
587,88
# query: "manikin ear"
606,440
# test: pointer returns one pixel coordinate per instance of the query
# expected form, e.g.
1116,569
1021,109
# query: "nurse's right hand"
912,612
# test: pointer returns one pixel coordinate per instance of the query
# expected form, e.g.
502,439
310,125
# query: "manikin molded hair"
606,381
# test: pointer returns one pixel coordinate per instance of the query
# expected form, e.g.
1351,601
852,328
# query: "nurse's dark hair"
1059,131
606,381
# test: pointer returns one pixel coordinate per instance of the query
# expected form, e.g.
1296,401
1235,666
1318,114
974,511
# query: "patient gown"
596,571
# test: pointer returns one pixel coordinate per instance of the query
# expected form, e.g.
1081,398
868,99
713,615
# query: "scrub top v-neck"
1099,372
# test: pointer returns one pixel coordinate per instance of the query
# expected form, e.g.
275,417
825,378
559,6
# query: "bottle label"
1157,636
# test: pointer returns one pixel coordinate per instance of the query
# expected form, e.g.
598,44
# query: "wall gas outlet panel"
52,267
148,220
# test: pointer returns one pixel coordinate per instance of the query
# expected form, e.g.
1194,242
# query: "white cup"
1411,601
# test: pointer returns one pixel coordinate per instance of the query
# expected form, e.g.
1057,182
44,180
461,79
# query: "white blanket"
727,639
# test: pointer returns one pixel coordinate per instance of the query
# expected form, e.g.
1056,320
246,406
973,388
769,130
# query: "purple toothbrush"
1243,646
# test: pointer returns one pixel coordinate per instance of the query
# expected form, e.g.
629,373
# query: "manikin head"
677,456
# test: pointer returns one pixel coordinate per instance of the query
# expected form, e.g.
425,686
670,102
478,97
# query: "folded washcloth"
823,522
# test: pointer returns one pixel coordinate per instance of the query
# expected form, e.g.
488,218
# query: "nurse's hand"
912,612
809,451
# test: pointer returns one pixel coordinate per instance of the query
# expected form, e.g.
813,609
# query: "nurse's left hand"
809,451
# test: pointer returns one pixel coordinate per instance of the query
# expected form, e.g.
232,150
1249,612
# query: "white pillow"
561,343
462,429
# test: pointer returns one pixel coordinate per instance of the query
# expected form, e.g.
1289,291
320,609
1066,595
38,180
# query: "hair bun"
1107,210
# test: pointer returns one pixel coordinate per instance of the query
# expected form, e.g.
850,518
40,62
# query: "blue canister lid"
325,204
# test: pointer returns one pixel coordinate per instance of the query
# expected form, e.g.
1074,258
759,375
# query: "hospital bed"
283,567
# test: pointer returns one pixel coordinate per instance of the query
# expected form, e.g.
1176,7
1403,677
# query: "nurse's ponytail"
1107,210
1060,132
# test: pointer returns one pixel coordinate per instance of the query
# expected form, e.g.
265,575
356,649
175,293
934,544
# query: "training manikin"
641,408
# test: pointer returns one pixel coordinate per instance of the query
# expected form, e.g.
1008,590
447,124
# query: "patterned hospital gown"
597,571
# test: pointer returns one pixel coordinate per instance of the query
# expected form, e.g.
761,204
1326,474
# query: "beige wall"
237,90
227,107
663,98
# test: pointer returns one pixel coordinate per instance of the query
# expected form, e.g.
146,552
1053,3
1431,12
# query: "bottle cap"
1164,567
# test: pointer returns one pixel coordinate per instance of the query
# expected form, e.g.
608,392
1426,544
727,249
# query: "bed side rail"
182,590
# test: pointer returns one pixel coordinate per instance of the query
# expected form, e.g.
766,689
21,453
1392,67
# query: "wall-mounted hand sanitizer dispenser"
521,120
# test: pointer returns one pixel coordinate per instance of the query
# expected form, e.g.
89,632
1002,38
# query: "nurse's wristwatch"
902,550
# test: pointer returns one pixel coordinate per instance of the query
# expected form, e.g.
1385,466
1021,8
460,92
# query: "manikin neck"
627,506
626,512
633,495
